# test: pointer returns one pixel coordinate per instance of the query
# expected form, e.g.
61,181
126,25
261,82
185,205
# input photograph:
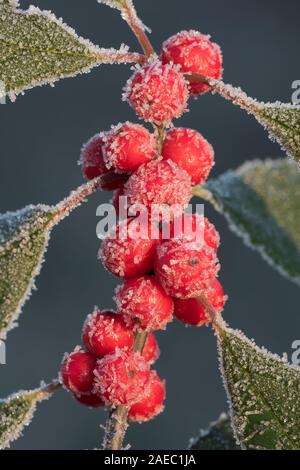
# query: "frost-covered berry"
77,372
104,332
152,403
143,302
158,93
121,378
112,181
194,52
116,201
91,158
151,350
215,295
190,151
129,249
161,183
91,399
191,312
194,227
183,269
127,146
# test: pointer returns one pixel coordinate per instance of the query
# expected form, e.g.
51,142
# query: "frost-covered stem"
76,198
130,16
47,390
122,58
117,422
210,310
229,92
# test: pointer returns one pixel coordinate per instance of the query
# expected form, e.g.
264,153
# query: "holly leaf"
36,48
23,240
281,120
17,411
261,201
283,124
263,392
218,436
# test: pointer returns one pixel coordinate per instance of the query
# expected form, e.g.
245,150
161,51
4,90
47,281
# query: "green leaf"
261,201
36,48
263,392
283,123
23,240
17,411
218,436
281,120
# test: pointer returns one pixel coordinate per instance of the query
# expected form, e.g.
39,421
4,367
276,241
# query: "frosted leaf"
17,411
283,123
23,239
261,201
263,393
119,4
218,436
281,120
36,48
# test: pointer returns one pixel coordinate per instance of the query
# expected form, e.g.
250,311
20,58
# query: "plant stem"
135,24
212,313
75,198
47,390
117,422
118,57
203,193
229,92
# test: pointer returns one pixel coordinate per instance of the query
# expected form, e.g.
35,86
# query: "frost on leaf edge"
245,236
31,286
224,329
108,54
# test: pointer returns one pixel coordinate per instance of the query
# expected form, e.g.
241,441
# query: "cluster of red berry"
163,276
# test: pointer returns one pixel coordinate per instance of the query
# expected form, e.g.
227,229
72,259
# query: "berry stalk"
129,14
117,422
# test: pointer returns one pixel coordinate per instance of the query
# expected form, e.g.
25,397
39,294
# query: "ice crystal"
36,48
219,436
261,201
17,411
263,393
23,240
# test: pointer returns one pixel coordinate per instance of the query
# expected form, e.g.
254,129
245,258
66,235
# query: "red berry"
121,378
151,404
91,399
117,202
190,151
184,269
143,301
91,158
104,332
151,350
194,52
77,372
127,146
194,227
191,312
129,249
159,183
112,180
157,93
215,295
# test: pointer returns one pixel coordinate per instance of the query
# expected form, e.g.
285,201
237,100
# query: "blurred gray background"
41,135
